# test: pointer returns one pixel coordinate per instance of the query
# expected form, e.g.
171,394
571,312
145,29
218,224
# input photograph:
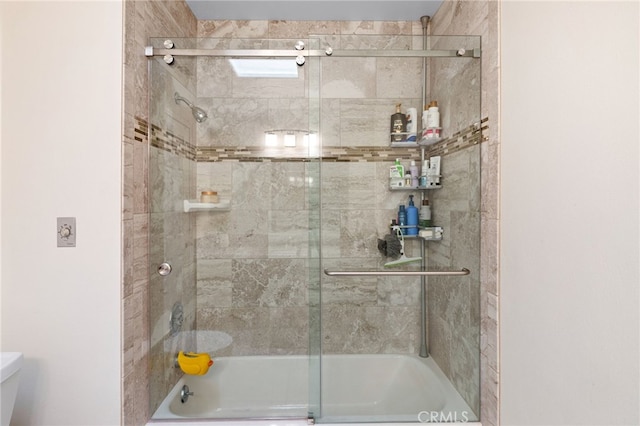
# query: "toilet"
10,374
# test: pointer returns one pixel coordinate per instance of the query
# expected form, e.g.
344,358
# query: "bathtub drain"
185,394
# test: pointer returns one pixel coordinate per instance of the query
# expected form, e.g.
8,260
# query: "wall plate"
66,232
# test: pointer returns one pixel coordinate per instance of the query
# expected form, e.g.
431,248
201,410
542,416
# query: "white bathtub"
355,389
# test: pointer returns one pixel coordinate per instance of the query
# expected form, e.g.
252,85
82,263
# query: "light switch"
66,232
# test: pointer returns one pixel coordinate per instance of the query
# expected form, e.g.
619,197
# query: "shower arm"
179,98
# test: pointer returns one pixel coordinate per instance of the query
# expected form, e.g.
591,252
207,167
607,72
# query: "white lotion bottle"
425,117
433,116
414,174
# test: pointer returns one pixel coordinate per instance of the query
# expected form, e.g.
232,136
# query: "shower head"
198,113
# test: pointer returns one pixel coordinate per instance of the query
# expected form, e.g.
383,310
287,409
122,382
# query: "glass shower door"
371,322
252,298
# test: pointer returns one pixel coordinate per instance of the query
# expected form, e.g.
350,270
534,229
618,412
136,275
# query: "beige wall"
61,114
570,300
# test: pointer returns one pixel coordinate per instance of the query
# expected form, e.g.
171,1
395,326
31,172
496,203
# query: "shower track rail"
150,51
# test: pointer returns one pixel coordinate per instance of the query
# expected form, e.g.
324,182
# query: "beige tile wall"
458,17
371,315
143,19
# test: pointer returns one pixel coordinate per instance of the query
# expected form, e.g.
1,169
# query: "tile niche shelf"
197,206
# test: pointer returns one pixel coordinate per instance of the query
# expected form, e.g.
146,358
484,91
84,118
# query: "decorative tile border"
166,141
465,138
140,130
169,142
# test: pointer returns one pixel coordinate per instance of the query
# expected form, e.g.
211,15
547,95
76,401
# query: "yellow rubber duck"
193,363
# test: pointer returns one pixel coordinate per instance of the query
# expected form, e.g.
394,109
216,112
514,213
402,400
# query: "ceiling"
314,10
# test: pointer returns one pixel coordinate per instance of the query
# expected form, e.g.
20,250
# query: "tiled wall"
143,19
267,227
268,224
458,17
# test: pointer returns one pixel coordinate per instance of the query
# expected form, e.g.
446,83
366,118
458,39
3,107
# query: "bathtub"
363,389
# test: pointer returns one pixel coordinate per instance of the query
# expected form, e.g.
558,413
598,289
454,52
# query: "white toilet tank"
10,372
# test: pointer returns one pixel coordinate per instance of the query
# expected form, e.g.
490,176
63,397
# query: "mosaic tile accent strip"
470,136
169,142
140,130
166,141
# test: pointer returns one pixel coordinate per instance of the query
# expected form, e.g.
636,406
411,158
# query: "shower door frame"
301,57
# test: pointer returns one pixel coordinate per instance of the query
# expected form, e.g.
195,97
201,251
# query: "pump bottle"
412,218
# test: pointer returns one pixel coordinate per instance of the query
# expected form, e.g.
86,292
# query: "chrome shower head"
198,113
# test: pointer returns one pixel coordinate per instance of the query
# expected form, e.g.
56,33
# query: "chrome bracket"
164,269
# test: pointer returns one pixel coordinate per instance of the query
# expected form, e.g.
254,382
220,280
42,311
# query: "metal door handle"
463,271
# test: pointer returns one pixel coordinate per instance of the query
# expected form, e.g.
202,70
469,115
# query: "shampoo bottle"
425,214
412,218
402,216
425,116
412,125
414,174
423,176
433,116
398,125
399,168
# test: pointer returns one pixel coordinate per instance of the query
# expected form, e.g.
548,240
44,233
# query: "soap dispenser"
412,218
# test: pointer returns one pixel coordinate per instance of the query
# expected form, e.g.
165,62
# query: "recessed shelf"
195,205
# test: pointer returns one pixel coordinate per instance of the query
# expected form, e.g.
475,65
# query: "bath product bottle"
398,125
412,125
425,116
423,176
412,218
402,216
433,117
407,179
399,168
425,214
414,174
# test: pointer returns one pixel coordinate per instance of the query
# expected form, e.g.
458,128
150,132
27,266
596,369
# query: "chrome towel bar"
463,271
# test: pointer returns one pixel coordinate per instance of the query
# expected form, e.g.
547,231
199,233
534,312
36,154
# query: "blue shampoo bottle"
402,217
412,218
